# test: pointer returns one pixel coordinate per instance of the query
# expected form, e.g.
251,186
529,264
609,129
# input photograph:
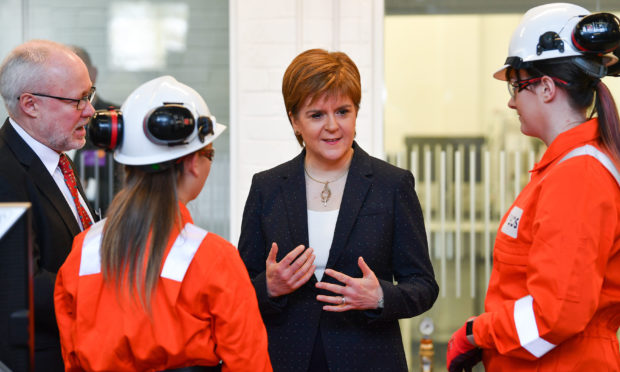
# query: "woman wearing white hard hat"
553,301
145,289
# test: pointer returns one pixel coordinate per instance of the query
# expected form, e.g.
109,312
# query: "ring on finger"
343,301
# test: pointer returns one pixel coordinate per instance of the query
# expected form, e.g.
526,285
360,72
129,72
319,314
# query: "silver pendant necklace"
326,193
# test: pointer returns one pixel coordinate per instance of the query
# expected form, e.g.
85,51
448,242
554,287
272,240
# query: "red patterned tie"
65,167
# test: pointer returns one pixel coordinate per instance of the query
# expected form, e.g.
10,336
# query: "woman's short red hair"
317,72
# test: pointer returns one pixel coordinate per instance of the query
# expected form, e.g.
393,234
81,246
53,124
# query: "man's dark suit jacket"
23,178
381,220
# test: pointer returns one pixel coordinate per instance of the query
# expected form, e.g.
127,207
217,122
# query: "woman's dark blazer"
380,219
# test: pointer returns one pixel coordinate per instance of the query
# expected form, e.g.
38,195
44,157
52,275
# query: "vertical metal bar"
531,160
427,197
472,222
487,215
449,149
502,181
517,173
413,163
399,159
442,220
97,177
82,155
457,220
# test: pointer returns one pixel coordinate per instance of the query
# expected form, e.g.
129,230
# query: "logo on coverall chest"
511,225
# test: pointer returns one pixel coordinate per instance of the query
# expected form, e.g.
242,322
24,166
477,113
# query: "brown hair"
316,72
586,91
138,226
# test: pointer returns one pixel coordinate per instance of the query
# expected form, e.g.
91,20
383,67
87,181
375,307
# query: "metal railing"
464,192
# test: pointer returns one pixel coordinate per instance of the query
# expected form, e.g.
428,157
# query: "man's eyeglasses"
207,153
80,103
519,85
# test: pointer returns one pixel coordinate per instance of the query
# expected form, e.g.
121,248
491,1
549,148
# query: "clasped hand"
296,268
356,294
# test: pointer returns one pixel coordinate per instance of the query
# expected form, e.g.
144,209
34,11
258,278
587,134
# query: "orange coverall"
204,310
553,302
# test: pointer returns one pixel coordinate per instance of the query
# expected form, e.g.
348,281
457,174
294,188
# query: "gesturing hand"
291,272
356,293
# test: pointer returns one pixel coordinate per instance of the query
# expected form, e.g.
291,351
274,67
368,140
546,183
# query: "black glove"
466,361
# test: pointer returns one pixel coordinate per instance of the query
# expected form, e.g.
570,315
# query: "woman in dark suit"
327,234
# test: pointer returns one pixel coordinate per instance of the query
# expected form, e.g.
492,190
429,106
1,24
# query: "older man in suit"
47,93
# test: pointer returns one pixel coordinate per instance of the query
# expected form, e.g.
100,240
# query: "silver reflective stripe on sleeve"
182,252
598,155
527,328
90,262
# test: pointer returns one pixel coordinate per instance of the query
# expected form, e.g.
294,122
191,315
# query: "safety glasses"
519,85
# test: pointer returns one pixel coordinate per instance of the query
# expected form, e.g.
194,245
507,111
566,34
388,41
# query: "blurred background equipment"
427,350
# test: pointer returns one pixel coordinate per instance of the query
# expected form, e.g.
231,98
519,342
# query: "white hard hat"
547,31
164,120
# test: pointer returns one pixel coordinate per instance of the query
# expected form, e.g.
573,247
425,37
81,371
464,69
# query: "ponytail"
608,121
137,230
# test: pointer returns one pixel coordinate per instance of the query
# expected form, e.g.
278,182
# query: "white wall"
265,36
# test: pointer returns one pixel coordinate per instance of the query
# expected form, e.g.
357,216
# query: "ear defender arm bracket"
549,41
205,127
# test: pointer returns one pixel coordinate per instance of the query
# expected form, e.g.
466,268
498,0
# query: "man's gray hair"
24,69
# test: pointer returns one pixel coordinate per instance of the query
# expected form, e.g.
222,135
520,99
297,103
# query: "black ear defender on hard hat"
170,125
105,128
597,34
173,124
